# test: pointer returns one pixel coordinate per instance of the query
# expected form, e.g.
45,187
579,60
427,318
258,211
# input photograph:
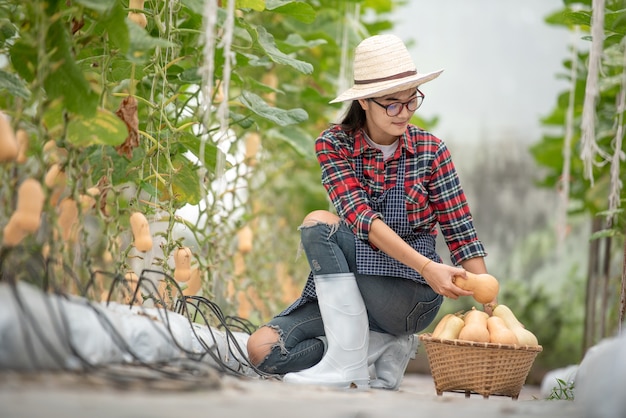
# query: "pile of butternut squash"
501,327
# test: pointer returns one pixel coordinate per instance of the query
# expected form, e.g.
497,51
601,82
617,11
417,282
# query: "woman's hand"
439,276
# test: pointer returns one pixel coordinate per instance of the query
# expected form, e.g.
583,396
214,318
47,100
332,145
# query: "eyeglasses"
394,109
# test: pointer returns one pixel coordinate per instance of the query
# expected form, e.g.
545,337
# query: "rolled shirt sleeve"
334,150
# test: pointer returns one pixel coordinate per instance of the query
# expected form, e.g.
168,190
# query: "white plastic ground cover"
601,380
41,331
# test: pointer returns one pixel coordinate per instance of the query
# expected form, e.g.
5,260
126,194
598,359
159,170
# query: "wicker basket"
482,368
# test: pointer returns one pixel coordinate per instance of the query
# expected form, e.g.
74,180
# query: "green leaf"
296,138
104,128
192,143
67,80
98,5
14,85
105,161
257,5
296,40
118,34
142,44
7,30
196,6
190,76
266,40
582,18
185,184
149,188
24,59
296,9
605,233
280,116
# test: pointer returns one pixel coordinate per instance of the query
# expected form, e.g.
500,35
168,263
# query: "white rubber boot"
347,331
388,357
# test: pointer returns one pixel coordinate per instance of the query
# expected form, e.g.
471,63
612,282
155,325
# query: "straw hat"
383,65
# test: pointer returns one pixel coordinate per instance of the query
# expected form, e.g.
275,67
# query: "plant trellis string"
588,141
618,154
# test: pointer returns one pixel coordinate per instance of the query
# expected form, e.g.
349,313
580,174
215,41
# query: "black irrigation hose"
191,364
231,338
217,358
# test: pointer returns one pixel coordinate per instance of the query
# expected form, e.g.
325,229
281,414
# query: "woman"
375,279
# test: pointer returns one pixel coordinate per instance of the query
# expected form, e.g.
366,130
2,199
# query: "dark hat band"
391,77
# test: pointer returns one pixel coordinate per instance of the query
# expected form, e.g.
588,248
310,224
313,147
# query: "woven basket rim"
427,337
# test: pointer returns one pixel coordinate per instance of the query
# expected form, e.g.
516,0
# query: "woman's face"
382,128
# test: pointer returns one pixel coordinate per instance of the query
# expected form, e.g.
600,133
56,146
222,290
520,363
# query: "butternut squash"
271,80
137,17
68,219
524,336
245,236
8,143
441,325
54,154
194,283
253,143
141,232
182,262
484,286
132,282
167,293
30,200
55,177
22,145
475,327
239,264
499,333
451,328
55,180
88,200
12,235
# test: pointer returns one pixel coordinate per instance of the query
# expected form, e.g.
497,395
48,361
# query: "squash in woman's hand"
484,286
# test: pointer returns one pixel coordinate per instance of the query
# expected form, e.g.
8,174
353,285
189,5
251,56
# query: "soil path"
68,396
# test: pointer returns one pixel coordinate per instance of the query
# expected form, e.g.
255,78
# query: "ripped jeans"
394,305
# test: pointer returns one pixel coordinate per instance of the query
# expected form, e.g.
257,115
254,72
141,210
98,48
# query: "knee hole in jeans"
262,342
319,217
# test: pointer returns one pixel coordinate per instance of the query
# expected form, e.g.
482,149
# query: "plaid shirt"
432,189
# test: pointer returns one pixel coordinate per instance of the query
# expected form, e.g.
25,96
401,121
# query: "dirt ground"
73,396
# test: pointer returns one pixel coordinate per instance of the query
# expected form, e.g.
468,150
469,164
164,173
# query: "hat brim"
359,91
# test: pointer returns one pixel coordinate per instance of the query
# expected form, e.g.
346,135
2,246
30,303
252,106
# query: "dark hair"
354,118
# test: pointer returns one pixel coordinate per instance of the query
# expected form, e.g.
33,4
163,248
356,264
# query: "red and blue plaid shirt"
433,192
